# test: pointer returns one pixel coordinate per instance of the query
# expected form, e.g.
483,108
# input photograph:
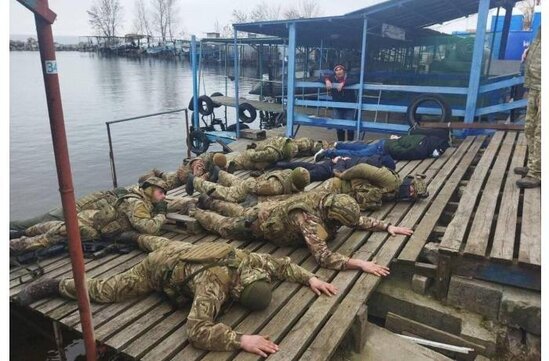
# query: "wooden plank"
455,231
504,236
401,324
477,240
337,325
530,235
417,241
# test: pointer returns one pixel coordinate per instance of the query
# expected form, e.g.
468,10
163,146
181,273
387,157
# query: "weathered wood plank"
504,236
477,240
417,241
530,236
455,231
338,324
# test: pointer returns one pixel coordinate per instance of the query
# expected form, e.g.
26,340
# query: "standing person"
532,125
340,94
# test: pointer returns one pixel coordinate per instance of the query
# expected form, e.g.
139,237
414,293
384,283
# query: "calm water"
95,90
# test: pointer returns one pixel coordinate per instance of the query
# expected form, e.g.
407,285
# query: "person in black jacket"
335,84
326,169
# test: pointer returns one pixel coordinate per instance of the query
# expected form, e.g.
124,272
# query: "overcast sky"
197,17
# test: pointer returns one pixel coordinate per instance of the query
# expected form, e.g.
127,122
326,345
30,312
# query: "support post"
236,81
44,19
111,158
476,64
196,121
362,71
291,79
505,31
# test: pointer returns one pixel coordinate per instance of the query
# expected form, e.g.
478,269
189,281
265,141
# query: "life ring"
411,112
242,108
198,142
205,105
216,94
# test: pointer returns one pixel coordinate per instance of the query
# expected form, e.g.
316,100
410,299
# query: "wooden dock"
473,202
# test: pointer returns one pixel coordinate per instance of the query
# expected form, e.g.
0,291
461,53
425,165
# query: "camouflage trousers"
229,220
256,159
532,131
230,188
366,184
55,214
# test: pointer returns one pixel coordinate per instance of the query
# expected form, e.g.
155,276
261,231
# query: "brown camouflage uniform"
234,189
532,125
367,184
298,220
108,218
171,262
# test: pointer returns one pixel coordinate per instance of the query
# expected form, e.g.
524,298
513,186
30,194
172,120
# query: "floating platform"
472,195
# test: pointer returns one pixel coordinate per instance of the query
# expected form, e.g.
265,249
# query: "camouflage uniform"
109,218
233,189
273,150
300,219
170,263
532,125
367,184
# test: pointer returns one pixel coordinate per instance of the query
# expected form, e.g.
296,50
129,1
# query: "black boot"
214,174
189,187
251,146
231,167
38,290
128,237
204,202
16,234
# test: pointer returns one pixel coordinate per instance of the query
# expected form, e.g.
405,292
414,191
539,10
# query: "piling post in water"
44,17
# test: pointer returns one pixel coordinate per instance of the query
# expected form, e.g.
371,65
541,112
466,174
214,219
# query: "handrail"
111,152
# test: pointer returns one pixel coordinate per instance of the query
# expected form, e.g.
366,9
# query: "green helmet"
300,178
370,199
319,145
256,296
342,208
155,181
289,149
418,185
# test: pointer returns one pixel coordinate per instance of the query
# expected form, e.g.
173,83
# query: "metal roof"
346,30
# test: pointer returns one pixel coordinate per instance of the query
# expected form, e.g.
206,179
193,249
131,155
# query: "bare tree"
239,16
265,11
303,9
105,17
165,17
141,23
172,18
528,7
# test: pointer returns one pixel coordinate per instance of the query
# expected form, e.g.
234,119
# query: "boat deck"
308,327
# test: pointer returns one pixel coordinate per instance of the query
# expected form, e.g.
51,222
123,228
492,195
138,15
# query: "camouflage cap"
420,186
413,187
256,296
155,181
342,208
289,149
300,178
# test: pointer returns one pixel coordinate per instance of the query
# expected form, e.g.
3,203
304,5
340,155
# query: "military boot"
128,237
521,170
189,206
529,182
38,290
214,174
204,202
189,187
14,233
231,167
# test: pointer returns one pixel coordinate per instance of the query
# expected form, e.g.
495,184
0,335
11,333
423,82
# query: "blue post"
283,75
196,122
362,70
320,70
476,64
236,77
505,31
291,80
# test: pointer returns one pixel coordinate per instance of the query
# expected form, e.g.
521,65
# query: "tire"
242,112
198,142
216,94
411,116
232,127
205,105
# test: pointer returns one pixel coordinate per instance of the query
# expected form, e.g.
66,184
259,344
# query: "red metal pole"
64,175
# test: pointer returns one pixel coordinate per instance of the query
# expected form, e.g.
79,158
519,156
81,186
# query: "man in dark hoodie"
336,85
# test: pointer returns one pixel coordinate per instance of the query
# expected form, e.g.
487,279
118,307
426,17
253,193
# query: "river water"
96,89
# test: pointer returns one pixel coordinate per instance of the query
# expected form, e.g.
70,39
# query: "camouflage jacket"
135,212
212,287
532,78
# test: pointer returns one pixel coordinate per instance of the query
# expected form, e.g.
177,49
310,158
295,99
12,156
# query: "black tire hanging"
198,142
411,112
232,127
242,112
205,105
216,94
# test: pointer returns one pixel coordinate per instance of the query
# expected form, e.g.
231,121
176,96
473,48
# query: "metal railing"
111,152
